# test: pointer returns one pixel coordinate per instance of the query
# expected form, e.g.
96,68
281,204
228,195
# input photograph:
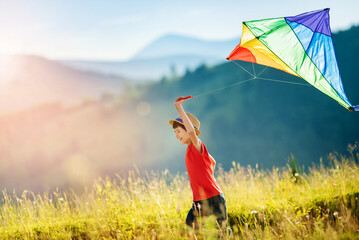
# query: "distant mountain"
29,80
145,69
171,54
175,45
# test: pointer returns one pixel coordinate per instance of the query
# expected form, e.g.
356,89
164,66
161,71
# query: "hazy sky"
117,30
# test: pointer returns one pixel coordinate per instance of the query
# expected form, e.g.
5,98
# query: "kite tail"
354,108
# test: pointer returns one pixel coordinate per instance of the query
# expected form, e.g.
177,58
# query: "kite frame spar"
300,45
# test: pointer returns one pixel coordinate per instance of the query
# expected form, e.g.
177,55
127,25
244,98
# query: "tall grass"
320,203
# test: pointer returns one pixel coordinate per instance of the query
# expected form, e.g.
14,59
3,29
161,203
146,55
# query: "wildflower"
177,208
335,214
253,212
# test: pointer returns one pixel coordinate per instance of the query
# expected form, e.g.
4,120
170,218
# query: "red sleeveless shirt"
200,173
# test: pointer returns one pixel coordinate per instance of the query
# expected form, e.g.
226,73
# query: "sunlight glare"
143,108
8,68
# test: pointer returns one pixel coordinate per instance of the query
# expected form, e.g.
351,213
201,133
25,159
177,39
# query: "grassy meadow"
282,203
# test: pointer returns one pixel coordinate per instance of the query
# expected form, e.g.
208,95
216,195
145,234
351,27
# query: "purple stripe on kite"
317,21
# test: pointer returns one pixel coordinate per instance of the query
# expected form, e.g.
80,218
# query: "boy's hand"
187,123
181,100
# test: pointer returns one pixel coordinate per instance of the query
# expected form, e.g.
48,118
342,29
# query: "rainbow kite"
301,45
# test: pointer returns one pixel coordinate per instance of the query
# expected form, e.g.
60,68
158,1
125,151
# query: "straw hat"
193,120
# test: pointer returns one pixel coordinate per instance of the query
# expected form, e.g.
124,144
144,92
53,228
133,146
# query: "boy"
208,198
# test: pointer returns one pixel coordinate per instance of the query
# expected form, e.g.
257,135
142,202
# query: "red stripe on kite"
243,54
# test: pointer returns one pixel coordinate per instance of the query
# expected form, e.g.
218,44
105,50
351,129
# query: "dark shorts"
212,206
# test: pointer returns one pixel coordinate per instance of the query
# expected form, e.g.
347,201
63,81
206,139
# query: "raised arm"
188,125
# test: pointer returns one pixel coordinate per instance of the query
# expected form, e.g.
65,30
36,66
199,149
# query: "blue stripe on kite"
303,33
320,49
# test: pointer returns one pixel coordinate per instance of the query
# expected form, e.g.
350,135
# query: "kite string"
265,68
244,69
254,69
254,76
219,89
234,84
281,81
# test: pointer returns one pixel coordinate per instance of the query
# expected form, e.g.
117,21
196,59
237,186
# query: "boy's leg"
191,219
215,205
220,211
222,216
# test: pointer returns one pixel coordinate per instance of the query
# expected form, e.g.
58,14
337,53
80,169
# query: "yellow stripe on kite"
261,52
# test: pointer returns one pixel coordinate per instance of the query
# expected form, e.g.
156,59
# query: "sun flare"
8,68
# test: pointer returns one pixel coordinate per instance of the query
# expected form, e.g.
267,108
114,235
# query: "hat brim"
172,121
